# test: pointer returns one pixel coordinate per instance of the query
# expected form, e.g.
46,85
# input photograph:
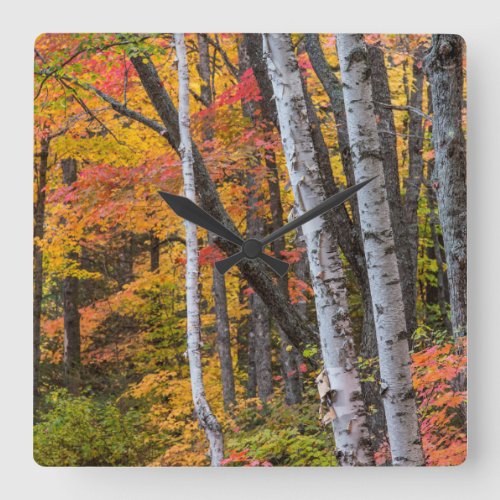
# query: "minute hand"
329,203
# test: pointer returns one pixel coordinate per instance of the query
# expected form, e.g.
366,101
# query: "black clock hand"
329,203
278,266
188,210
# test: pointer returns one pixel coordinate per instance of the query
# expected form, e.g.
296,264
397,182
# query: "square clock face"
250,250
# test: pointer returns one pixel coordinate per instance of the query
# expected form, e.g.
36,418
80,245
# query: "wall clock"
300,298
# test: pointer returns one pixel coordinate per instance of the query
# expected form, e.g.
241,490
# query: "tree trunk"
445,73
259,315
344,229
219,281
223,338
349,238
298,331
333,89
251,56
289,356
70,291
259,318
251,368
38,233
389,155
441,284
206,418
328,280
125,268
414,180
396,383
154,252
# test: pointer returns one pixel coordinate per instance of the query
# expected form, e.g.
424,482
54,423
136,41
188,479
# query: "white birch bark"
328,280
206,418
397,389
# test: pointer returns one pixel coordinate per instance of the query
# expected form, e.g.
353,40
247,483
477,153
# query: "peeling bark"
444,69
348,234
389,156
396,383
328,280
206,418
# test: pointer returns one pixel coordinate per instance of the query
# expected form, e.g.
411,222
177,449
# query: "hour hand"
188,210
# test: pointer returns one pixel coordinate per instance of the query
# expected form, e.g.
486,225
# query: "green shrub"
80,431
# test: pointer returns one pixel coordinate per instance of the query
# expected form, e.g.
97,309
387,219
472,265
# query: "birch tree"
396,383
206,418
328,280
218,280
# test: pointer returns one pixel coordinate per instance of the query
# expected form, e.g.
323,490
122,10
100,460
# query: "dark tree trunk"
70,288
219,281
251,369
289,356
223,337
38,233
413,182
445,73
333,88
262,347
242,333
154,252
125,268
387,137
298,332
442,285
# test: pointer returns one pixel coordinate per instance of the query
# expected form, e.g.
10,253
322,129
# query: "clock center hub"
252,248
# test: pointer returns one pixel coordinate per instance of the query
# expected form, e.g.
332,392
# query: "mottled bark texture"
251,56
349,425
444,69
389,155
41,167
70,289
396,383
219,281
296,329
206,418
349,233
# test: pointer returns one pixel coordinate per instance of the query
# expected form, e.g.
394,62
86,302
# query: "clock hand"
188,210
332,202
225,264
278,266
